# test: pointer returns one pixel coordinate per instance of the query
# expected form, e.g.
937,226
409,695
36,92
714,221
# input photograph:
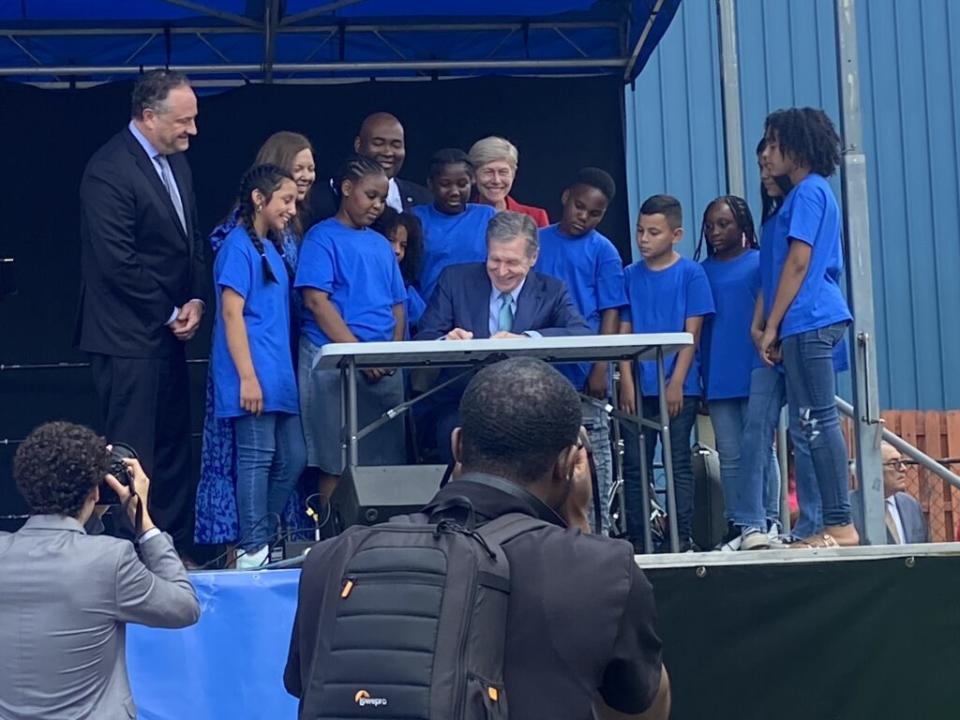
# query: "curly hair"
516,416
57,465
808,135
387,223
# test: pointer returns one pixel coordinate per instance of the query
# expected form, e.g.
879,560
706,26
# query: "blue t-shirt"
358,270
841,361
809,214
727,352
660,301
415,307
450,240
591,267
266,314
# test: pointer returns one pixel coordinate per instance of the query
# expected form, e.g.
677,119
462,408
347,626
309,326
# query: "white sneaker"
754,539
775,537
252,560
733,545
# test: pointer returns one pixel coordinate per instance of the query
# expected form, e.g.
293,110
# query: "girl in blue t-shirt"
216,505
727,351
454,230
405,234
352,292
252,363
806,316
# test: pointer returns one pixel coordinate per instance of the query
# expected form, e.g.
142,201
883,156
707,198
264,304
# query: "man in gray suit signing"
66,596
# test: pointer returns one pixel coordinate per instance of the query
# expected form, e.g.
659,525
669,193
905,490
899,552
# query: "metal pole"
859,282
353,450
344,435
667,450
286,29
642,429
331,67
638,47
918,456
784,472
271,19
730,96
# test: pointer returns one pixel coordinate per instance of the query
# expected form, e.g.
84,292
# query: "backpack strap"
507,527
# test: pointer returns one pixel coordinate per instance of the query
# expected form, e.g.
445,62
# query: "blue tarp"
228,665
98,40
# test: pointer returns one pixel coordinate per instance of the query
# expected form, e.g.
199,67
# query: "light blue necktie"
166,174
505,319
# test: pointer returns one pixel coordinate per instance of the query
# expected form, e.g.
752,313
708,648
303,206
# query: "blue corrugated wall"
910,83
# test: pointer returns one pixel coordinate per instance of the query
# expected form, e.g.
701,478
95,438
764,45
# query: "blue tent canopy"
229,42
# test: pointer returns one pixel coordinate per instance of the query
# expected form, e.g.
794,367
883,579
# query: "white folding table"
349,358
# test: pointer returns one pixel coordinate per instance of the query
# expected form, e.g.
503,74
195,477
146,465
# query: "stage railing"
914,453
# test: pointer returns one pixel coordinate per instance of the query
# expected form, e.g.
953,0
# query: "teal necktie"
505,320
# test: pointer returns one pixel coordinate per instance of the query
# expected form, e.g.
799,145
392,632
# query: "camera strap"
138,513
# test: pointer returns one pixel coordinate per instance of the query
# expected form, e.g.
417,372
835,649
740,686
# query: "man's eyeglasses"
900,465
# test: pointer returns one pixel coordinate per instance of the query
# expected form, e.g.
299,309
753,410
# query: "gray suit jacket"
915,528
911,517
65,597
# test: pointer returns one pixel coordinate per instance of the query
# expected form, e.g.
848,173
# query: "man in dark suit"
502,298
67,595
380,138
903,515
143,277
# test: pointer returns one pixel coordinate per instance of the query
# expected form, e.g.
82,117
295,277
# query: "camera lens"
118,453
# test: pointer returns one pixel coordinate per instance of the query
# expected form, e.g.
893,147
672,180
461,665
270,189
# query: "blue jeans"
680,428
760,483
730,420
271,455
811,394
597,424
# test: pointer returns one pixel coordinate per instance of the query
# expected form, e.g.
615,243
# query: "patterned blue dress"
216,505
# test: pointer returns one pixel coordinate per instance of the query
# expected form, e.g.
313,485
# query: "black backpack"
413,621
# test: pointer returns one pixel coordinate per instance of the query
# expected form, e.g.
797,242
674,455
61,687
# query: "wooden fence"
938,435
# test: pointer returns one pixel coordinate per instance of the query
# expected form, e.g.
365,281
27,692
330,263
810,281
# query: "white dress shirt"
394,198
895,514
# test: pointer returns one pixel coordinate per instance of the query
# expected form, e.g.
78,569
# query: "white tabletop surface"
454,353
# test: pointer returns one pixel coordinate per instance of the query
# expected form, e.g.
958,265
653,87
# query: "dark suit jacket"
462,299
915,528
136,260
324,202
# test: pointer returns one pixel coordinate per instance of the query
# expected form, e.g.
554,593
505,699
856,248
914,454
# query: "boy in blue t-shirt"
454,230
665,293
573,251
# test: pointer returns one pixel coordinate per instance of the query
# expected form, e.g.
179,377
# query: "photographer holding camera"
66,596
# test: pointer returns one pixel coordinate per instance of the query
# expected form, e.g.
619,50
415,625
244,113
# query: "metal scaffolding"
225,48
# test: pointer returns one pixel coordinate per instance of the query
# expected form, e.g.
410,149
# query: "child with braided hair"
252,361
352,292
727,352
216,504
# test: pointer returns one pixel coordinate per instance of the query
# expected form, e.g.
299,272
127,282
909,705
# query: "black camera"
118,453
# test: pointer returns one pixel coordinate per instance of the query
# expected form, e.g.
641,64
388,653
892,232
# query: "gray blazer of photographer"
65,598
